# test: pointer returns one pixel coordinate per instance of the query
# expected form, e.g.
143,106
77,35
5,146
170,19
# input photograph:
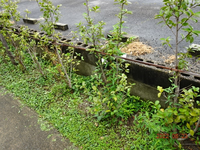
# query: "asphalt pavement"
140,23
19,128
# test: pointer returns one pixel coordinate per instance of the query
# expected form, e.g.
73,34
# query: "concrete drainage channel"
147,74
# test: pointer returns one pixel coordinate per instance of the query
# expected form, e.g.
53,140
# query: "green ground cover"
67,110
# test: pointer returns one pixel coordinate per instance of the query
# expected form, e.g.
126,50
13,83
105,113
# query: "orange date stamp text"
174,136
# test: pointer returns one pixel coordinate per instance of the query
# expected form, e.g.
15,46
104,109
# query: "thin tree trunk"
9,53
33,57
60,60
20,61
119,38
18,56
177,74
71,65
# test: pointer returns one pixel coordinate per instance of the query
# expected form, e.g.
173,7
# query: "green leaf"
160,22
182,110
196,110
170,120
191,39
196,31
197,14
177,14
187,29
160,89
179,145
94,88
157,102
159,95
193,120
115,98
183,20
185,24
181,117
193,113
175,112
107,111
190,10
187,13
177,120
193,19
188,126
163,39
192,132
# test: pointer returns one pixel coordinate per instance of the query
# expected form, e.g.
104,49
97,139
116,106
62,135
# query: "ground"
19,128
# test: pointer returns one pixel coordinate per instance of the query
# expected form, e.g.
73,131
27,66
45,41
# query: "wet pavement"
19,128
140,23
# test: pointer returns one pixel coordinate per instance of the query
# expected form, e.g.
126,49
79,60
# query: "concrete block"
146,92
32,32
85,69
63,47
30,20
61,26
128,36
88,57
125,37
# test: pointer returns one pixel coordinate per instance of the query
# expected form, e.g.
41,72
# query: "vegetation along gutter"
146,74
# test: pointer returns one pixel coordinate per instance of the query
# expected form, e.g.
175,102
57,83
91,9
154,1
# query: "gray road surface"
141,22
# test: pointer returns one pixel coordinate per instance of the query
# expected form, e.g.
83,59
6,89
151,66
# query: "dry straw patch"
169,59
137,49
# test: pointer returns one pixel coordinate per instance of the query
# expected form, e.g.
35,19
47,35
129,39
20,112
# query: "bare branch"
195,130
